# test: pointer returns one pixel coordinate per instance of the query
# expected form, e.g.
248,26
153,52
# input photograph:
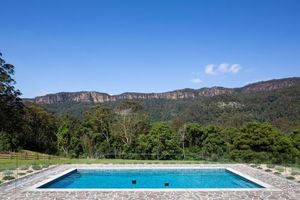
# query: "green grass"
6,164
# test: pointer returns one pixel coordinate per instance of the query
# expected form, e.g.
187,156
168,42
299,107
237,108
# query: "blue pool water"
150,178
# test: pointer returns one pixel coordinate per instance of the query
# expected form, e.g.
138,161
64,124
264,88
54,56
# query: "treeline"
280,108
127,131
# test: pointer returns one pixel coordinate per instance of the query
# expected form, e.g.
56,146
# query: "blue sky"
148,45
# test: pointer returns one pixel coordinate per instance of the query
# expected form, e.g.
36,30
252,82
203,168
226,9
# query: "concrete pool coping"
20,189
266,187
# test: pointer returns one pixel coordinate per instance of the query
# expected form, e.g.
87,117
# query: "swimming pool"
220,178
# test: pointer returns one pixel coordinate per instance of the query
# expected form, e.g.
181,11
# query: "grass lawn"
12,164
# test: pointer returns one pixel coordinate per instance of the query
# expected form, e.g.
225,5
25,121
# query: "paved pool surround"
275,187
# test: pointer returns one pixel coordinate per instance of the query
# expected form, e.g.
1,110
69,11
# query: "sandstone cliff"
98,97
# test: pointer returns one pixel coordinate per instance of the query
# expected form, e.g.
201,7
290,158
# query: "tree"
5,144
10,105
191,138
39,131
295,137
295,140
255,142
68,138
161,142
96,131
283,150
194,134
218,142
129,124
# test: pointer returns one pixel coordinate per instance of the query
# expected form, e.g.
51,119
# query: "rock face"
98,97
270,85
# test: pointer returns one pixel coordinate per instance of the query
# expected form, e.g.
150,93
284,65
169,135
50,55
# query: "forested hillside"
275,101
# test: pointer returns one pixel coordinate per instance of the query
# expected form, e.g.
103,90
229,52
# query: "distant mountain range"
273,101
99,97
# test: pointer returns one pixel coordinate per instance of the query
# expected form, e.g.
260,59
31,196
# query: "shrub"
280,169
295,173
8,178
29,171
277,173
36,167
268,170
259,167
270,166
24,168
290,177
254,165
21,174
45,165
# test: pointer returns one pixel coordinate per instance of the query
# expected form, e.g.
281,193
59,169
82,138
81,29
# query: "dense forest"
279,107
265,128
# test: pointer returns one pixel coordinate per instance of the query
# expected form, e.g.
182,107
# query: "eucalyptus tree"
96,131
68,136
130,123
10,105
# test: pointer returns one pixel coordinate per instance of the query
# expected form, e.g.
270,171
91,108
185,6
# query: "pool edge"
266,187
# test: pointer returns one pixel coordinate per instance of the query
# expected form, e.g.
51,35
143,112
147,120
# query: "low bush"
268,170
277,173
6,178
295,173
36,167
270,166
21,174
24,168
44,166
280,169
290,178
29,171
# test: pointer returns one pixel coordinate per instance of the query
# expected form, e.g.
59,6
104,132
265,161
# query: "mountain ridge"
186,93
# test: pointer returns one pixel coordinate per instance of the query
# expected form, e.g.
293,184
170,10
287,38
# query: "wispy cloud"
223,68
196,80
209,69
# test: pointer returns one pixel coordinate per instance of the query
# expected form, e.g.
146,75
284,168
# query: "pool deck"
277,187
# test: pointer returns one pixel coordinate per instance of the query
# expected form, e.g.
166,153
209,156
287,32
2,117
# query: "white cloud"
223,68
209,69
235,68
196,80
